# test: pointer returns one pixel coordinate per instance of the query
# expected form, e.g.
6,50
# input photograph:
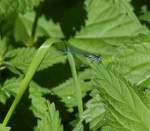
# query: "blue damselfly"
79,52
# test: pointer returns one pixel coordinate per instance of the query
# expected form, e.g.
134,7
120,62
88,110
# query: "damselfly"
78,52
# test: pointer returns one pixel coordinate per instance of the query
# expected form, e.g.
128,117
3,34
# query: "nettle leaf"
109,128
95,111
133,62
49,28
124,103
53,57
10,87
24,25
110,18
51,122
48,117
38,102
4,128
22,57
111,33
28,4
3,48
129,55
145,16
79,127
16,6
66,90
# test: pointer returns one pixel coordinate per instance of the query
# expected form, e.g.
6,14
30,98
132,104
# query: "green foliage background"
115,92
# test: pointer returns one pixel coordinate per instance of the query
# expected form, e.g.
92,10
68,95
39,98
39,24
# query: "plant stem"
34,27
37,59
143,80
35,24
76,83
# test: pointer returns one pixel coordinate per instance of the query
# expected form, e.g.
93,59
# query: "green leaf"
133,62
146,16
53,57
129,55
105,28
28,5
110,33
24,25
48,117
17,6
10,87
22,57
49,28
95,112
79,127
66,90
124,103
109,128
3,48
51,121
37,59
110,18
38,105
146,97
4,128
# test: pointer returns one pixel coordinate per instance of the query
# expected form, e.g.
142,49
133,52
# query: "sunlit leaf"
124,103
